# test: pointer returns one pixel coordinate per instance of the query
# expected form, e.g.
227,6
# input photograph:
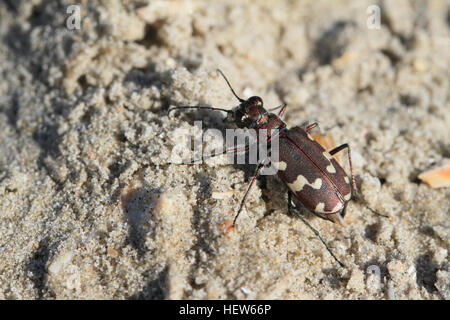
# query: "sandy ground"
90,208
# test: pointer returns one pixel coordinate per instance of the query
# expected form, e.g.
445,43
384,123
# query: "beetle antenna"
197,107
229,85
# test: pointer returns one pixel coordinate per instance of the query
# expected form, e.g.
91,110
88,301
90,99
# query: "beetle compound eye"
259,102
255,100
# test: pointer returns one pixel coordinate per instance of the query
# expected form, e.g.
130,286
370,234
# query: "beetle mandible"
310,172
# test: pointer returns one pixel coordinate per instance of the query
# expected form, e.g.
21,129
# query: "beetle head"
248,112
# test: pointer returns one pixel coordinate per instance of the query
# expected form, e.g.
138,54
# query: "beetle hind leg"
355,194
340,148
291,207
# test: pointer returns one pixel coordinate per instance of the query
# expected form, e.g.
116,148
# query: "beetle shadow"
206,237
148,76
138,79
426,273
37,267
155,289
333,41
333,278
215,124
210,119
138,203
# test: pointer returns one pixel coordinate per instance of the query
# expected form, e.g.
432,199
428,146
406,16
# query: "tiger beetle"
311,173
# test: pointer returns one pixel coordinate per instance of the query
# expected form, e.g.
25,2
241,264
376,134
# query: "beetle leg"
258,169
283,109
311,126
355,193
281,112
358,196
290,206
340,148
230,150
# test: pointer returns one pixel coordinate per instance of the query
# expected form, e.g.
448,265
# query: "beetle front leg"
355,193
290,207
230,150
258,169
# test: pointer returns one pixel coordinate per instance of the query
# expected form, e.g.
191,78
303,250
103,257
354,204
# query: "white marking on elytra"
330,168
280,165
348,196
337,208
347,180
309,136
301,181
320,207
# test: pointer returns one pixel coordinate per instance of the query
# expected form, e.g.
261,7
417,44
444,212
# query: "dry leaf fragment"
438,177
